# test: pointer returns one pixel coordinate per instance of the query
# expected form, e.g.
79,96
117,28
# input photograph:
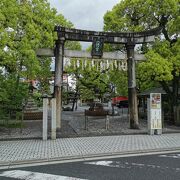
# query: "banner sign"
155,111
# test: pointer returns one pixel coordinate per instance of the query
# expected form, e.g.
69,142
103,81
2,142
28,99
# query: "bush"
13,94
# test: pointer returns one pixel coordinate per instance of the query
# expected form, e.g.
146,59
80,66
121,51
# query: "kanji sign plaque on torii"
129,39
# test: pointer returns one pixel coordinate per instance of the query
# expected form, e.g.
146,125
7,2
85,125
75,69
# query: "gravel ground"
73,126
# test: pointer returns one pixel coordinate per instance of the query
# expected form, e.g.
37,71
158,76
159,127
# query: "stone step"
31,104
30,101
31,109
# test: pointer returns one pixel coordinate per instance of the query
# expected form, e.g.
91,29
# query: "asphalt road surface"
146,167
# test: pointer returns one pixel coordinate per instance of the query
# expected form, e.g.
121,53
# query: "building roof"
155,90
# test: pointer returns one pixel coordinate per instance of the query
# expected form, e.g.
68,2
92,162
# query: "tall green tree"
26,25
93,82
119,79
163,60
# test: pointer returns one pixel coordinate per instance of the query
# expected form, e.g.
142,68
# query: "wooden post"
132,95
59,51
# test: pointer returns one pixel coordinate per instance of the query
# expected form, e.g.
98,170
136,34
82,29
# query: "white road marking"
116,164
129,165
108,164
176,156
28,175
101,163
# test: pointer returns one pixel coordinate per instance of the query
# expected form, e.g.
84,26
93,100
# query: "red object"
117,99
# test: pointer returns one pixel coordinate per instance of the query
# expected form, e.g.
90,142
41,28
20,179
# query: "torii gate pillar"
59,53
132,94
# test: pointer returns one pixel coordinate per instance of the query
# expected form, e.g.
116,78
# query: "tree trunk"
172,95
175,98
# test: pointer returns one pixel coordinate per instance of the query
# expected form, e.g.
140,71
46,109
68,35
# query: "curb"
8,165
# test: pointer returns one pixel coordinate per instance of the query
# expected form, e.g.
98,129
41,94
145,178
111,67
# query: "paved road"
147,167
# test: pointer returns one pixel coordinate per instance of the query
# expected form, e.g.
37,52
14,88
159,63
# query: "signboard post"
154,114
53,118
47,101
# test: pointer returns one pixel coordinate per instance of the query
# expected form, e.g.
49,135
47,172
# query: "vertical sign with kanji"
97,47
154,113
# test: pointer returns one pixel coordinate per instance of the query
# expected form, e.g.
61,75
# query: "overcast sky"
84,14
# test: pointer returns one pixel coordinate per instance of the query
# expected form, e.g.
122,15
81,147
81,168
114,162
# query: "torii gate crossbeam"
48,52
109,37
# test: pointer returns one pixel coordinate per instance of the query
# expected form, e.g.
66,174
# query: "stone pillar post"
45,118
53,118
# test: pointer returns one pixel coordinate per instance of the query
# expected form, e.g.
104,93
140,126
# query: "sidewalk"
32,151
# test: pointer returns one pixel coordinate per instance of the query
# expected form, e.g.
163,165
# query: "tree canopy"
26,25
163,60
97,80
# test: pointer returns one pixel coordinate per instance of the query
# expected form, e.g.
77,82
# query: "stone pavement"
33,151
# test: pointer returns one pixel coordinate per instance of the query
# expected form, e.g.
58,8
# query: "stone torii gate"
129,39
